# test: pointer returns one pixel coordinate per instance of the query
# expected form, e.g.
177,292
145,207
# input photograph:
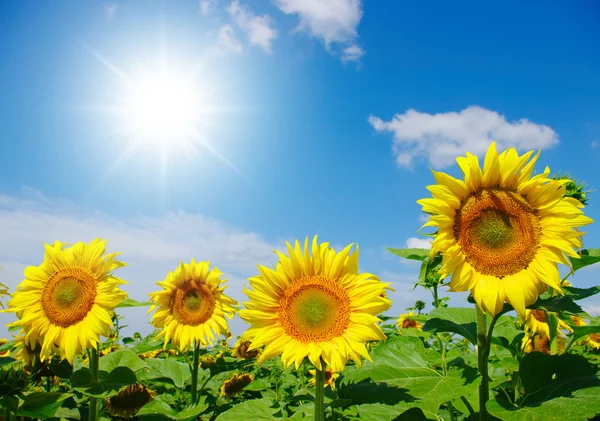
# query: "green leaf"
412,254
581,331
130,302
191,412
581,293
581,405
557,304
42,404
252,410
121,358
588,257
462,321
107,385
258,385
168,371
379,412
401,377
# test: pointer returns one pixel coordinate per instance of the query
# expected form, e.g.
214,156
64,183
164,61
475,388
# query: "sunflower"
208,361
536,322
191,307
330,377
406,321
6,352
541,343
235,384
502,232
316,306
241,350
129,401
66,301
593,340
27,352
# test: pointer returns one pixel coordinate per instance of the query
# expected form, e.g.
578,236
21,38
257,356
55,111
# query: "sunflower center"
68,296
315,309
539,315
595,337
193,305
498,231
408,323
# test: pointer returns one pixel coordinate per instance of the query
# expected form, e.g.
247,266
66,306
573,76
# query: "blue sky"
303,97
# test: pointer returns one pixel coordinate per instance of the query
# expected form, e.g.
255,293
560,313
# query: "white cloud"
441,137
110,10
151,246
332,21
418,243
227,43
352,53
207,6
258,28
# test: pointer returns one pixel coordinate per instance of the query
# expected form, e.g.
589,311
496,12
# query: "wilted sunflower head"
536,322
235,384
330,378
541,343
240,350
13,380
406,321
129,401
317,306
67,300
191,307
501,231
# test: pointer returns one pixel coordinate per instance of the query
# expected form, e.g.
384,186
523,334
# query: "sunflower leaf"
588,257
121,358
411,254
581,293
167,371
42,404
107,385
401,377
581,331
252,410
130,302
380,412
462,321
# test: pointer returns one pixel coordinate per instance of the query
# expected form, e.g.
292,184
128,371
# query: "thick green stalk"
195,365
93,356
320,395
482,359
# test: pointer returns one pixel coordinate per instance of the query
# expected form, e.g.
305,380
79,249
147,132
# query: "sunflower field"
320,342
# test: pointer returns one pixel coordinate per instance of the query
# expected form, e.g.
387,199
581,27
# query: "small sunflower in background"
593,341
6,352
501,231
330,378
191,307
27,352
67,300
240,350
406,321
317,306
129,401
235,384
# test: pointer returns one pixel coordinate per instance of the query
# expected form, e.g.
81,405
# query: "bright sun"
162,108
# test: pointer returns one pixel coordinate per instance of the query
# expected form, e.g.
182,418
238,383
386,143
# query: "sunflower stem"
93,414
195,365
319,395
482,359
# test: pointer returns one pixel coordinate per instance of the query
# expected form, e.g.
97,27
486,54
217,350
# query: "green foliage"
588,257
411,254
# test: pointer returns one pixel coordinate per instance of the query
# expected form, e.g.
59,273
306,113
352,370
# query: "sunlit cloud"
258,29
440,138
